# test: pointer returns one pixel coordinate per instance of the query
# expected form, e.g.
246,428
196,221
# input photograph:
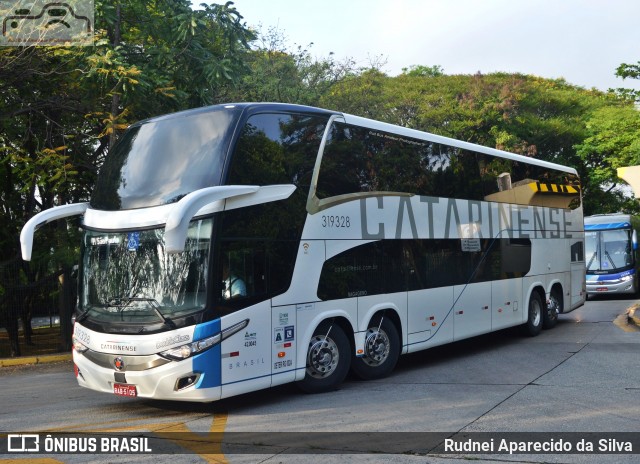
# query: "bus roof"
367,123
607,221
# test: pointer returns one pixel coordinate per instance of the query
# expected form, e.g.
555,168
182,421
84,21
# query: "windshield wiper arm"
606,253
152,302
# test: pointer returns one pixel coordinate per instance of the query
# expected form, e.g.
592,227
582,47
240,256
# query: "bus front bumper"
619,285
171,380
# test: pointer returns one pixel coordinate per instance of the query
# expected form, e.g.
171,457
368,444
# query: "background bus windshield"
608,250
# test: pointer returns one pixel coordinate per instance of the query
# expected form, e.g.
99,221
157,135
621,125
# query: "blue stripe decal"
208,363
613,225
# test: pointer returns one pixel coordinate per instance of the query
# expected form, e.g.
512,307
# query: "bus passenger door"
283,344
471,310
578,278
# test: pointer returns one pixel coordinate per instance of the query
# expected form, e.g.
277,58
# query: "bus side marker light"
433,324
360,352
281,354
287,345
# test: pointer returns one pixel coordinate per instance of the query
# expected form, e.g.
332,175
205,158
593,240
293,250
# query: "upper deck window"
358,160
161,161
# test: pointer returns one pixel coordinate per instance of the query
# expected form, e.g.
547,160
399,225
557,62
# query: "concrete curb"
42,359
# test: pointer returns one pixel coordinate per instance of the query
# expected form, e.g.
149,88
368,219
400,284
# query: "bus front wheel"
536,315
328,359
381,351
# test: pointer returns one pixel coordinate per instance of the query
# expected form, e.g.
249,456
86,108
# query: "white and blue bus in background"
611,244
238,247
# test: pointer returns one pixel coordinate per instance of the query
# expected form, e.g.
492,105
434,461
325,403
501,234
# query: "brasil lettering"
430,217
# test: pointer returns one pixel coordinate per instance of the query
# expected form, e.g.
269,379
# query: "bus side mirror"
634,240
44,217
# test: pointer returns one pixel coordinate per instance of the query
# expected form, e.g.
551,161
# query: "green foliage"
423,71
629,71
612,141
280,74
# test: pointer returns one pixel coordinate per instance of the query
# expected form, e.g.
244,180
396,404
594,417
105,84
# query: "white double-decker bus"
237,247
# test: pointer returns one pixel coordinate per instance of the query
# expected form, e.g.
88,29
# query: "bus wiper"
593,256
122,303
606,253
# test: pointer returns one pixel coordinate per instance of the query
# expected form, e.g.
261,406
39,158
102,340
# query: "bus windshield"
608,250
129,277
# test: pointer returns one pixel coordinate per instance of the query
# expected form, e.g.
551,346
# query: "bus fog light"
187,381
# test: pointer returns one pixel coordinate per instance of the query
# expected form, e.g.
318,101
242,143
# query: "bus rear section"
611,254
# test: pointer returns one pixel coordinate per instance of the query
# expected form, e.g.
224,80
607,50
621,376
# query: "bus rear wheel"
554,307
328,359
381,350
533,325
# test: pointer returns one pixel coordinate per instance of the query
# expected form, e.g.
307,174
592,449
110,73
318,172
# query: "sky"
582,41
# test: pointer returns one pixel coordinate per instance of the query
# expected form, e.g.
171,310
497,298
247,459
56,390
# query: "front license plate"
123,389
602,289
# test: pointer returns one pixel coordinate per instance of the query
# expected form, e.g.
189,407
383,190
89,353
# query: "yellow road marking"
31,461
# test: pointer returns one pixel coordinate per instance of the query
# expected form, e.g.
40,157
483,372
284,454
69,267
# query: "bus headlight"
626,278
185,351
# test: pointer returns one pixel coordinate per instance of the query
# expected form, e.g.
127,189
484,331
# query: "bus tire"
328,359
533,325
554,307
382,350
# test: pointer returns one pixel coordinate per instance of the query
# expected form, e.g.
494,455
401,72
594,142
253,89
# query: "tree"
61,108
628,71
277,73
612,141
